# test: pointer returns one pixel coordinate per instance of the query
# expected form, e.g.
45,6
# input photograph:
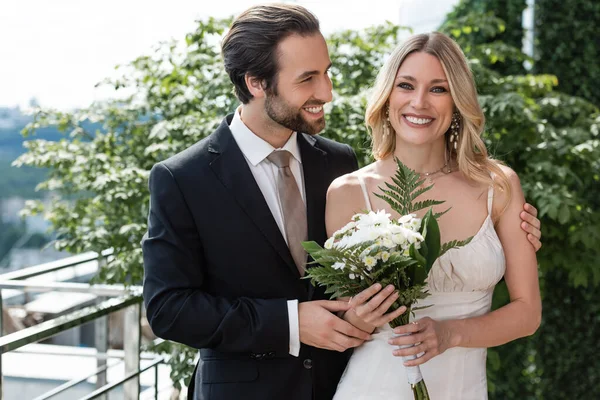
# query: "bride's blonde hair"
471,155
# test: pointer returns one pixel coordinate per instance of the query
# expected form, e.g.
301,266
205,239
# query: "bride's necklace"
429,175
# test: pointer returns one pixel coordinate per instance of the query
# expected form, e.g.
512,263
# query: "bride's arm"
521,317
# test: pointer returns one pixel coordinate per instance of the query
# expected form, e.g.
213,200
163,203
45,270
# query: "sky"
57,50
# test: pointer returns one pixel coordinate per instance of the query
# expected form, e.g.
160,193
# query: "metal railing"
111,298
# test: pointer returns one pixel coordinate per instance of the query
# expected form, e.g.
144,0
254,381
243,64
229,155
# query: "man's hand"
531,225
320,327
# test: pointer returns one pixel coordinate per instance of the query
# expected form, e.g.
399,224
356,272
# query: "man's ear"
255,86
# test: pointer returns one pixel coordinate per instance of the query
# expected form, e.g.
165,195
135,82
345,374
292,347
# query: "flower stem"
402,319
420,391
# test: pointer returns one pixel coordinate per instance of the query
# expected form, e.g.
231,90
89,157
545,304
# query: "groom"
222,255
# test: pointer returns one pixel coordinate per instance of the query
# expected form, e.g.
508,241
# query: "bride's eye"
404,85
438,89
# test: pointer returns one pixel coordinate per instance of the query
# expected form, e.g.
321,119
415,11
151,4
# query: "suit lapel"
314,163
232,169
314,166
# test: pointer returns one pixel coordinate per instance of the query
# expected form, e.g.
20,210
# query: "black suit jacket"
218,272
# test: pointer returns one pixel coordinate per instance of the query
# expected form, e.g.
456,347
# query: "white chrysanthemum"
379,218
370,262
356,217
415,224
414,237
329,243
362,235
399,239
411,222
389,243
384,255
350,225
406,218
338,265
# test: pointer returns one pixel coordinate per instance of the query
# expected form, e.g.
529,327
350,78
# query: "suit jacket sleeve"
174,271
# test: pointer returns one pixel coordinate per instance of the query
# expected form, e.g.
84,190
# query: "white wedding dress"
461,283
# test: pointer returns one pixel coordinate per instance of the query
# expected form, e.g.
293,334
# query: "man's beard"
285,115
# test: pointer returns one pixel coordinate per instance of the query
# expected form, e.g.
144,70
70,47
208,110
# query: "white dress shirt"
256,151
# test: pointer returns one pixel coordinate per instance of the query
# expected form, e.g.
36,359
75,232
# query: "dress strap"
365,193
490,200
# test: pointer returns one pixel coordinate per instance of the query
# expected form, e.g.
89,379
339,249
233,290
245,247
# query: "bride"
424,111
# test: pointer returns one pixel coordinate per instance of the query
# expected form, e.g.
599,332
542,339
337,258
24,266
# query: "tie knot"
281,158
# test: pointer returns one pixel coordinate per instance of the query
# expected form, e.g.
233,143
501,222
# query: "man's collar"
253,147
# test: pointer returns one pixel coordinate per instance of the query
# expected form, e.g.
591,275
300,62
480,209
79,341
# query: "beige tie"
293,208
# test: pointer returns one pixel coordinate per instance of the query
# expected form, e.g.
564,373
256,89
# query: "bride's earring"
386,123
454,129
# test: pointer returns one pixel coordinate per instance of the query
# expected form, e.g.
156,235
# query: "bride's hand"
369,307
428,336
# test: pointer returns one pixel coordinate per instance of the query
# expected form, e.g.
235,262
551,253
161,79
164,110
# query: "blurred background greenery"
542,120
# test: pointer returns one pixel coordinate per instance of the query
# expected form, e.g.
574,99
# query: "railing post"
131,346
101,343
156,381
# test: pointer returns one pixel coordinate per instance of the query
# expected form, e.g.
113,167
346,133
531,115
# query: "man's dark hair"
250,46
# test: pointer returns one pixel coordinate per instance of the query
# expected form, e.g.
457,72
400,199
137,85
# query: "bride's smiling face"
420,103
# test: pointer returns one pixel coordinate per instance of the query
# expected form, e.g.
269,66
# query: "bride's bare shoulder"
350,183
345,198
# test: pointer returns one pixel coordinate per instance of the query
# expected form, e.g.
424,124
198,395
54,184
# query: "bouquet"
373,247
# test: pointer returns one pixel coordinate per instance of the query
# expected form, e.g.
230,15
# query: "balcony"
74,313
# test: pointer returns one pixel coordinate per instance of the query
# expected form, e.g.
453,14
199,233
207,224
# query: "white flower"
370,262
338,265
414,237
411,222
384,256
379,218
406,218
389,243
399,239
347,227
329,243
351,276
414,224
356,217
